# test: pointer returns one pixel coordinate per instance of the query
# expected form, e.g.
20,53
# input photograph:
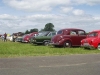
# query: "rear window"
60,32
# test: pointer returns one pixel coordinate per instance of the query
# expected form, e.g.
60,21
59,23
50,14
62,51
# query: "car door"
82,35
74,37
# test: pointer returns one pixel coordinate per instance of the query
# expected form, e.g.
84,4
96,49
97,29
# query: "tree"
48,27
27,32
33,30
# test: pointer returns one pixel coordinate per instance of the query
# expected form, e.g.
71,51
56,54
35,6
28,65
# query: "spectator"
2,37
5,37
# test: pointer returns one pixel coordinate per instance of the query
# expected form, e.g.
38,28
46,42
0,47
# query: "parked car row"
68,37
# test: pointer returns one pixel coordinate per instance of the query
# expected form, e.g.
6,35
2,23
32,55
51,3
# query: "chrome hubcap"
67,44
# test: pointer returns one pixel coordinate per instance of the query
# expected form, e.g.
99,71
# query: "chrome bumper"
88,46
54,43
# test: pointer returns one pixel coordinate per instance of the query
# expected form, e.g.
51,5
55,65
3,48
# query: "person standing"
2,37
5,37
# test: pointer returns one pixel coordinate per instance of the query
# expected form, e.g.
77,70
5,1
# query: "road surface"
85,64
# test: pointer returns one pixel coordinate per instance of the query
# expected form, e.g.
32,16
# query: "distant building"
18,34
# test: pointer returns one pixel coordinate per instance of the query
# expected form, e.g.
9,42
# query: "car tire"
67,44
46,43
98,47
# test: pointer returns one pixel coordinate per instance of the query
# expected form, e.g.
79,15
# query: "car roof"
71,29
96,31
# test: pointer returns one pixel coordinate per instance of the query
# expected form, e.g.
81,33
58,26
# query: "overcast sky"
22,15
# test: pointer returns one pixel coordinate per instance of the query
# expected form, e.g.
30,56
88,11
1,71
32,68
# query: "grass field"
16,49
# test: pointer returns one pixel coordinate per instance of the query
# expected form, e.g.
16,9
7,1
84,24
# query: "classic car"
68,37
18,39
31,38
92,41
44,37
26,38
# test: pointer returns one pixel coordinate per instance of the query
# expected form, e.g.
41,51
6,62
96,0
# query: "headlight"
34,40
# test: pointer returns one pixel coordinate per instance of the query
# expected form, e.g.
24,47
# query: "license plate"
86,44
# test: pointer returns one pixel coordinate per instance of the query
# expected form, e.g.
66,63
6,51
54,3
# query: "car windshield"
42,33
59,32
93,34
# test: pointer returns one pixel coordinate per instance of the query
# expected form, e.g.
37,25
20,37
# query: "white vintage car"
10,38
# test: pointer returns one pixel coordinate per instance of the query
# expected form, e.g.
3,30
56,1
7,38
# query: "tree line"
48,27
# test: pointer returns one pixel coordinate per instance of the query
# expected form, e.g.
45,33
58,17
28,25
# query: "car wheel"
46,43
98,47
67,44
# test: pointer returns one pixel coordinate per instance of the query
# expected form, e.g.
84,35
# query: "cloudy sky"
22,15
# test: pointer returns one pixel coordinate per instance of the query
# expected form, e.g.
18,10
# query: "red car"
92,41
26,38
68,37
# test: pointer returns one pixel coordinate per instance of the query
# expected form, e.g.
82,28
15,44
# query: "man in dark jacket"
5,37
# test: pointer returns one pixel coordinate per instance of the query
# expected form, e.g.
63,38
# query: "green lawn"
15,49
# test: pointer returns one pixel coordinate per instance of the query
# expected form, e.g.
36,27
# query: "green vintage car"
44,37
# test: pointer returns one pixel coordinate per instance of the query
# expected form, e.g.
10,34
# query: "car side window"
73,33
81,33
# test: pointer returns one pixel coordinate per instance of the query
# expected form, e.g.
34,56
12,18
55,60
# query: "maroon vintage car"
26,38
68,37
92,41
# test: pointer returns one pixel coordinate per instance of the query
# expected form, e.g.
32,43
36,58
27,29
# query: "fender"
62,41
46,41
